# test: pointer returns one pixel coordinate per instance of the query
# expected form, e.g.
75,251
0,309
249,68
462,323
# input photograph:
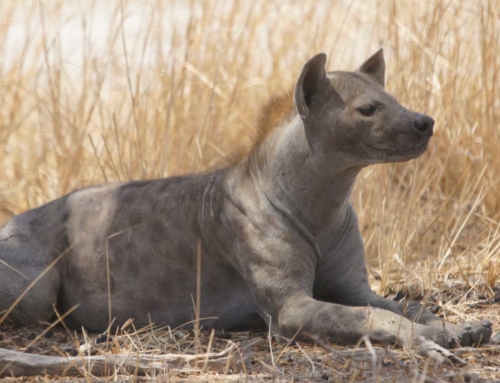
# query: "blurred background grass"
94,91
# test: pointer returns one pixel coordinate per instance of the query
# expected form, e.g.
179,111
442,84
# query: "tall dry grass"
95,92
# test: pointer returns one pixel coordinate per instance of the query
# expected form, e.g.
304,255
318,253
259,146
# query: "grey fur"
279,238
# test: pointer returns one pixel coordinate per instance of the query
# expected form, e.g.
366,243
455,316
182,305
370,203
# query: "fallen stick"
15,363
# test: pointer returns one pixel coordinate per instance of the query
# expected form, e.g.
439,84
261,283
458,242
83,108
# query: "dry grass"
264,360
93,92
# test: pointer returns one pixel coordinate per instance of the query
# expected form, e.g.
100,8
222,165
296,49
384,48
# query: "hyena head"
350,113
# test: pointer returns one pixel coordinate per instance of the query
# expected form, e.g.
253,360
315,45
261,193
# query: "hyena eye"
367,110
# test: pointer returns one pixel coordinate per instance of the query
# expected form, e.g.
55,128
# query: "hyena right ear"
374,68
311,81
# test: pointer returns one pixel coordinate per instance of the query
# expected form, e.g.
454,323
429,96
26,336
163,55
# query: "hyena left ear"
374,68
312,80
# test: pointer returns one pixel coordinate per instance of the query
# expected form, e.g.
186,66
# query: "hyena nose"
423,124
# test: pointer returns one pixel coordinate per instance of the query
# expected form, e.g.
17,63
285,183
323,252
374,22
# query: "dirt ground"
267,360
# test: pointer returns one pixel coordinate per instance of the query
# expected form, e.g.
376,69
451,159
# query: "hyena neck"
294,179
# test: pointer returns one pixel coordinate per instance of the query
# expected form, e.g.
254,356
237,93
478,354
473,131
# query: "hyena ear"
312,80
374,68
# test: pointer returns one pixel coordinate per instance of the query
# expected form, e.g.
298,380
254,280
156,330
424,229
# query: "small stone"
495,339
102,339
49,334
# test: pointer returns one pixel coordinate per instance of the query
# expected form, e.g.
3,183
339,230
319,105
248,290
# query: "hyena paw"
473,333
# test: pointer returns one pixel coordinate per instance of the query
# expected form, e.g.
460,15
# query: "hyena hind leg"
15,278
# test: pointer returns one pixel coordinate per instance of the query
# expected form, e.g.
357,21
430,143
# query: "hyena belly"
133,247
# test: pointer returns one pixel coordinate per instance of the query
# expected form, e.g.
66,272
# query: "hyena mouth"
413,150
